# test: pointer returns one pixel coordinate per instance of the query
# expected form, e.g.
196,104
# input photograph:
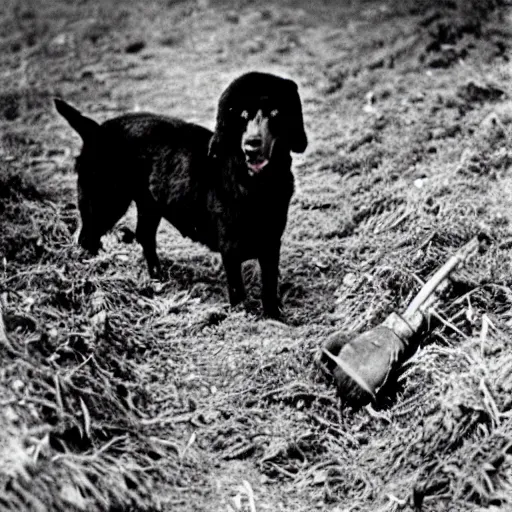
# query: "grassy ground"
119,393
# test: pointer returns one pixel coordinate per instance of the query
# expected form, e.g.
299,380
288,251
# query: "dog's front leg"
233,267
269,264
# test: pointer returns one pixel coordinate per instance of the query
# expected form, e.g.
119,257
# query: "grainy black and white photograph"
255,256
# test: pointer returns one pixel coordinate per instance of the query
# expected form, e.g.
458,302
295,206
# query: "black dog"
229,190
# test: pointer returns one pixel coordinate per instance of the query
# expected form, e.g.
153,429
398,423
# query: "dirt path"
405,163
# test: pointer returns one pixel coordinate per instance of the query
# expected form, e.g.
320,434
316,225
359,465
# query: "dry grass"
119,393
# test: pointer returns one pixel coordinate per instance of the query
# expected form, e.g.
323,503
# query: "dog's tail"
85,127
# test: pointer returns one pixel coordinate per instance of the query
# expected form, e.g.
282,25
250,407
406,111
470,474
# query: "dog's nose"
253,143
252,147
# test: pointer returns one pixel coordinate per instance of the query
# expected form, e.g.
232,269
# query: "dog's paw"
155,272
274,313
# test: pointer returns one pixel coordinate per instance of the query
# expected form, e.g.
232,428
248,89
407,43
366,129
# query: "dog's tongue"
256,167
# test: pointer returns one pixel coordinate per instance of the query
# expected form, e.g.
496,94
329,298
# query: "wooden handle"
433,284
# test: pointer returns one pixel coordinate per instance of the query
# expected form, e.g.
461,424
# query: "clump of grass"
73,437
472,11
23,101
71,387
18,192
453,27
16,186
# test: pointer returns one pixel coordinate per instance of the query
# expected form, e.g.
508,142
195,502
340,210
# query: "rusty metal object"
364,364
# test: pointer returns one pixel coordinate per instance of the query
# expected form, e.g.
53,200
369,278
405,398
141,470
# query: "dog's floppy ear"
214,145
298,138
221,127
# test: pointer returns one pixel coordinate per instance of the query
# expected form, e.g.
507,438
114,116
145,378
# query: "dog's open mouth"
257,166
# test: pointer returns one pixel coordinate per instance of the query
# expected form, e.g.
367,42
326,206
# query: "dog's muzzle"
255,158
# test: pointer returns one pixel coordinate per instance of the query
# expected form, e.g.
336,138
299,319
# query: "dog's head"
95,199
93,207
259,115
102,169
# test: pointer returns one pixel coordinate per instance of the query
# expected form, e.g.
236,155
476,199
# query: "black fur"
196,179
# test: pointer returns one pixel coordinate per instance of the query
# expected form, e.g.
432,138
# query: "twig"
281,470
486,324
58,395
72,371
190,442
377,415
167,443
92,456
3,336
490,403
454,328
250,495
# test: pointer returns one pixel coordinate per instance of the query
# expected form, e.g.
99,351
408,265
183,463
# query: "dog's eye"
274,113
244,114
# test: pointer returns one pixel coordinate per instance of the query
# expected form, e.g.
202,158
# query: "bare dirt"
119,393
